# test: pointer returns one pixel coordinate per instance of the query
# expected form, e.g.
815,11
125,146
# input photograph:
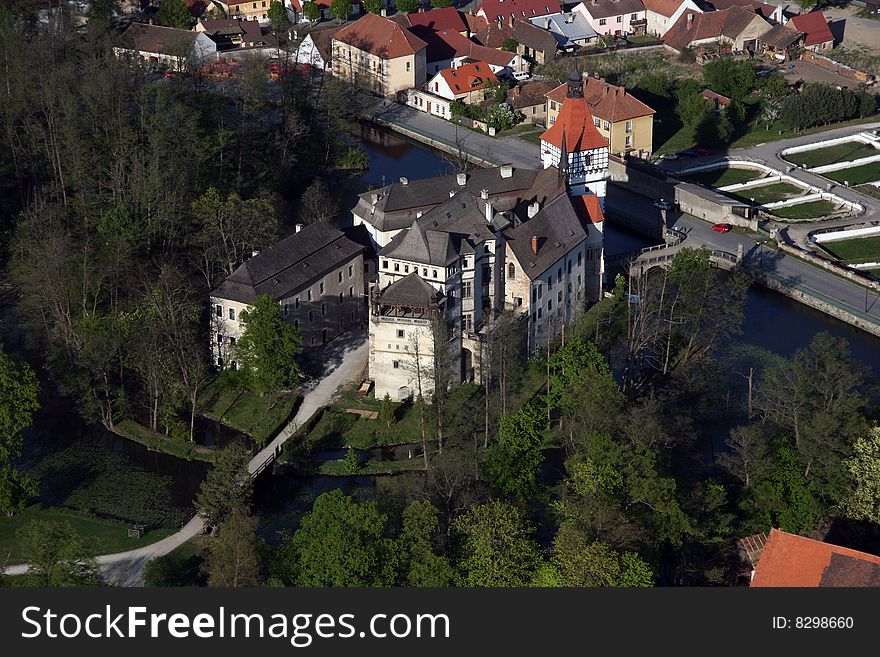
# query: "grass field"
850,150
107,536
180,448
768,193
722,177
856,175
809,210
259,417
869,190
860,249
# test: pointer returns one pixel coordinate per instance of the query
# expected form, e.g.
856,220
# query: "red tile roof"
718,99
444,18
607,101
575,121
588,208
380,36
710,25
759,8
518,9
448,44
662,7
493,35
468,77
814,26
791,560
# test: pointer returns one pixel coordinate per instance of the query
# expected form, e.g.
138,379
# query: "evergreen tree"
174,13
227,486
233,559
373,6
408,6
57,555
278,16
340,9
268,348
387,411
311,11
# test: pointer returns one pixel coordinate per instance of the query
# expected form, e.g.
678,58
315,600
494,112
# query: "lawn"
856,175
808,210
850,150
723,176
759,135
527,131
178,447
768,193
337,468
869,190
248,412
860,249
107,536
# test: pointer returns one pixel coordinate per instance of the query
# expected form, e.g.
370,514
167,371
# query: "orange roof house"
380,36
816,28
784,559
607,101
461,82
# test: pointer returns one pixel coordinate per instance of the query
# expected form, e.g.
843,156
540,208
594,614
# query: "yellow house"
376,53
250,10
626,122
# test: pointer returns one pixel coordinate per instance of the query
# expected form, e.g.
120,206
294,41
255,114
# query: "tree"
420,563
373,6
864,471
317,203
351,464
278,16
730,77
581,563
509,44
19,391
268,348
692,107
174,13
408,6
496,546
233,560
387,410
57,555
311,11
340,9
513,461
340,543
227,486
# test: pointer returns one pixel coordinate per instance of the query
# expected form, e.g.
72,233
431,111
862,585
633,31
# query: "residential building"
614,17
783,559
468,83
662,14
817,34
716,100
378,54
769,12
494,34
736,28
535,44
250,10
622,119
574,145
166,46
781,41
316,49
530,99
449,48
317,277
444,18
231,33
570,29
509,11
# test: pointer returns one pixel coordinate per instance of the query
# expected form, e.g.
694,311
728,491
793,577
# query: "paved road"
793,271
345,362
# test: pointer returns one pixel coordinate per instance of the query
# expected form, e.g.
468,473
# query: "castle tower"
574,146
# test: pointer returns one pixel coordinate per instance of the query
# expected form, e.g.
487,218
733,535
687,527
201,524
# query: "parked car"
722,228
669,156
519,76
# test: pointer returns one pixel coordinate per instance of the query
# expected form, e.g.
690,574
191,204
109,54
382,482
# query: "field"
869,190
259,417
768,193
179,447
856,175
860,249
808,210
851,150
722,177
107,536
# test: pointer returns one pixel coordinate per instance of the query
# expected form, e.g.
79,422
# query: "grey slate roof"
535,38
558,228
565,32
411,290
289,265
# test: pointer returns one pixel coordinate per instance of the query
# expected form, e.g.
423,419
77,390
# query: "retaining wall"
816,145
834,236
837,166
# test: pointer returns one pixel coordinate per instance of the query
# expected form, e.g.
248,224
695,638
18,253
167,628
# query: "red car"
168,74
722,228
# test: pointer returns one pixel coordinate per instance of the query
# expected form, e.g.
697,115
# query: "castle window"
511,271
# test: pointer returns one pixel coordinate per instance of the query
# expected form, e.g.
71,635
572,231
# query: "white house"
468,82
168,46
614,17
662,14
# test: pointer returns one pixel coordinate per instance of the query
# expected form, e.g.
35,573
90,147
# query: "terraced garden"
723,176
808,210
850,150
856,175
780,191
856,250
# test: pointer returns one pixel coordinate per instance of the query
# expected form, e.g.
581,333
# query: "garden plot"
856,175
855,251
771,193
805,211
722,176
844,152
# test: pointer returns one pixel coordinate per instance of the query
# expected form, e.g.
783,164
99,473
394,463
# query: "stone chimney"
690,20
404,181
462,179
484,194
570,18
535,244
298,227
451,193
506,170
533,209
375,198
490,211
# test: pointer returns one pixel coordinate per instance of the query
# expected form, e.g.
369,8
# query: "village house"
509,11
494,34
450,48
570,29
467,83
614,17
534,44
165,46
317,277
769,12
622,119
249,10
316,49
737,28
817,34
378,54
781,41
530,99
662,14
230,33
784,559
